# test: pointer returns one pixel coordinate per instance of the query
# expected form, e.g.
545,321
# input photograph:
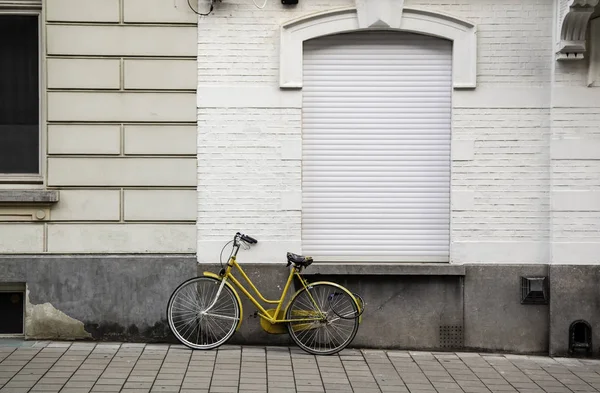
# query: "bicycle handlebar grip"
249,239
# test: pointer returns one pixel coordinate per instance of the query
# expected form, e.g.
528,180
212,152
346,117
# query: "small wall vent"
534,290
580,337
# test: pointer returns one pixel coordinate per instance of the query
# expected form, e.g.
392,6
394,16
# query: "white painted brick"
84,139
463,150
92,106
171,139
121,171
121,238
291,149
161,74
291,200
21,238
84,73
160,205
82,10
463,200
87,205
122,40
158,11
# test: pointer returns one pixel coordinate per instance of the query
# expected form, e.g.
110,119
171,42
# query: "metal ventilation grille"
451,336
534,290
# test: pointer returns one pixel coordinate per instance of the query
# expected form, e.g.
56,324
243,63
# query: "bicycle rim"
192,324
330,334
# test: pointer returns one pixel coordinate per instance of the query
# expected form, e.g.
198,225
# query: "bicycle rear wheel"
319,329
189,319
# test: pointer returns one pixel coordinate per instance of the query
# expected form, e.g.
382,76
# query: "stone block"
21,238
150,139
158,11
84,139
122,107
84,73
82,10
160,205
121,238
121,171
122,40
161,74
87,205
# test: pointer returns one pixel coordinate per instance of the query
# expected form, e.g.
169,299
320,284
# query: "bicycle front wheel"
192,319
322,322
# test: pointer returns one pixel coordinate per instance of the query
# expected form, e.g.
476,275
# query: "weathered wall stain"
44,321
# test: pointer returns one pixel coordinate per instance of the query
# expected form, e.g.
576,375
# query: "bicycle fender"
329,283
216,276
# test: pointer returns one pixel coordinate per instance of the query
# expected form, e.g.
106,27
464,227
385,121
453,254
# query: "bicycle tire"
322,339
186,319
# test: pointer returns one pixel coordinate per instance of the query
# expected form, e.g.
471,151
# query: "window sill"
386,269
26,205
19,197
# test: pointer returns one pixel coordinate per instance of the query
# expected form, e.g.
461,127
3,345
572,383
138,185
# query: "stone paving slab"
84,367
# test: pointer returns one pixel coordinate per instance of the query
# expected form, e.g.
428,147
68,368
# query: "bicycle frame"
262,312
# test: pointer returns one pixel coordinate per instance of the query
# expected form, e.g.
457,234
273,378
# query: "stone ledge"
399,269
28,196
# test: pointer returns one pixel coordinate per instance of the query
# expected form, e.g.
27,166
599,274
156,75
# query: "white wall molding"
573,253
575,97
575,149
573,22
594,68
499,252
462,33
576,201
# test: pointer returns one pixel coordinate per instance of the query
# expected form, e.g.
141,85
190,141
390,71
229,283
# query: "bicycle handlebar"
246,238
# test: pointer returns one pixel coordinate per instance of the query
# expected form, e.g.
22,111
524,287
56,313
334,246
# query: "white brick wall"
503,133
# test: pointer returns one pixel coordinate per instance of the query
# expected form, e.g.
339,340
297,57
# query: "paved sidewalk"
117,367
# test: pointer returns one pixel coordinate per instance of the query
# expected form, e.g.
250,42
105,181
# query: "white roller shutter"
376,147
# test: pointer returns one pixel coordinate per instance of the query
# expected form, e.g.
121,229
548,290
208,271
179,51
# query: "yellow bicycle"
322,317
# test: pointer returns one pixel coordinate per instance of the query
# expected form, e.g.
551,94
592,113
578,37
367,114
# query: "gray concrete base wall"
98,297
469,307
575,295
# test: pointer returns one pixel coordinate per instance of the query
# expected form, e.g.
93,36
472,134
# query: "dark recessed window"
19,94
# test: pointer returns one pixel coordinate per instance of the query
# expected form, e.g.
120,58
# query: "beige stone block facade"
77,171
158,11
123,107
119,238
102,40
118,117
160,74
84,73
160,139
88,205
84,139
21,238
82,10
160,205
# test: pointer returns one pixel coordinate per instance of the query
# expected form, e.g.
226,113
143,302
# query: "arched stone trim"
460,32
573,23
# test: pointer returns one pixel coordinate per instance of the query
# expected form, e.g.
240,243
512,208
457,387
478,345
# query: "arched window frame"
462,33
